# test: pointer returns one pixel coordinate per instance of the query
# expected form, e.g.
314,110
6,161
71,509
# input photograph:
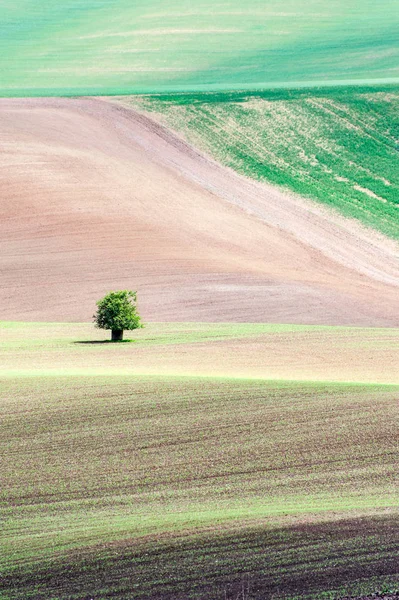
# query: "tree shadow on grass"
105,342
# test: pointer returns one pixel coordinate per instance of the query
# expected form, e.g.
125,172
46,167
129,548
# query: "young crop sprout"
118,311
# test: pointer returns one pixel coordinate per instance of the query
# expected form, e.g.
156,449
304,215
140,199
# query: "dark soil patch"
294,562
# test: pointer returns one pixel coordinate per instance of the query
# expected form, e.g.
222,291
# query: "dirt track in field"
97,197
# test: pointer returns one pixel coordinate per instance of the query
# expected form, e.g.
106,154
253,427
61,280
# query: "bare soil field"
96,197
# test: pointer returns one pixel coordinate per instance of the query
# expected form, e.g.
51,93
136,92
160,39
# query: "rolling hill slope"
338,146
98,197
137,488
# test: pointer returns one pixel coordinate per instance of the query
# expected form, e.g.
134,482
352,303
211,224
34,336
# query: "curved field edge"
161,487
336,146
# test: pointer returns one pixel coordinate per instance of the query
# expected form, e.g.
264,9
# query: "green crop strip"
339,147
255,351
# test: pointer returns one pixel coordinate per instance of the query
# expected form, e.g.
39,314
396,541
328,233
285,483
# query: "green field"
337,146
124,485
85,47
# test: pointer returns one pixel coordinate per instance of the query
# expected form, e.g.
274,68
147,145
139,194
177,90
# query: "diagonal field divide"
197,240
337,145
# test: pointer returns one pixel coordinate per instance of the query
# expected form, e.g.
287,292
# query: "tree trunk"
117,335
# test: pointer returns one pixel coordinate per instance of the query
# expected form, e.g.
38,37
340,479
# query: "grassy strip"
240,351
154,334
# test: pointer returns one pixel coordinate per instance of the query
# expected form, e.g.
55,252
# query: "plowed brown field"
196,488
97,197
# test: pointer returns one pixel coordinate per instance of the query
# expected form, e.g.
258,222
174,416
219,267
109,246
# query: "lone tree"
117,311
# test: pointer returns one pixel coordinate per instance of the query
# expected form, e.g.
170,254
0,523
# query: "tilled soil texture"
256,562
178,488
97,197
375,596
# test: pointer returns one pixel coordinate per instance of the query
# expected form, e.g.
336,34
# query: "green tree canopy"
118,311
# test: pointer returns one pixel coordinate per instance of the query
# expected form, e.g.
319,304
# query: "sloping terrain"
127,473
121,479
97,197
338,146
156,487
119,46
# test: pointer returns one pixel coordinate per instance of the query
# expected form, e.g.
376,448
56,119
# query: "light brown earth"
95,196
